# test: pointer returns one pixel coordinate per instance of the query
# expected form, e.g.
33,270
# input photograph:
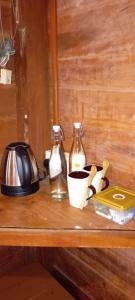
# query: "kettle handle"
23,166
42,174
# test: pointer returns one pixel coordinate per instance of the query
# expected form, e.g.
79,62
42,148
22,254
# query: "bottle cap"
77,125
56,128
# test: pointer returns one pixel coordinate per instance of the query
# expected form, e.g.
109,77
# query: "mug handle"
106,180
92,188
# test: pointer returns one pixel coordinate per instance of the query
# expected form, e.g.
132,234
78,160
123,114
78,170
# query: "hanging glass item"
6,46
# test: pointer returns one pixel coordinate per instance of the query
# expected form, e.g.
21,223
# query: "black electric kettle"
19,172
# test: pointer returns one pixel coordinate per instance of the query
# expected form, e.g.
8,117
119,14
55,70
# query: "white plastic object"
6,76
56,128
119,217
77,124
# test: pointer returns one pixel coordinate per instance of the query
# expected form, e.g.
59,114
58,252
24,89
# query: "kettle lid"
13,146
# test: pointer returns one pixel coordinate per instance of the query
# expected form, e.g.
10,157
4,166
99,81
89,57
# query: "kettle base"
19,190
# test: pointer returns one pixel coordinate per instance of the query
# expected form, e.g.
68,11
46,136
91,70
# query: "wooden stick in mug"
105,168
93,172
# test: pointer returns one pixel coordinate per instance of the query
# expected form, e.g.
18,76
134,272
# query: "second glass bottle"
77,157
58,166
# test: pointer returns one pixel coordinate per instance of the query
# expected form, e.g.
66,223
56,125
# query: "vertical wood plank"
8,116
54,59
32,69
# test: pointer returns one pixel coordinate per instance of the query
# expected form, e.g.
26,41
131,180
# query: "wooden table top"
37,220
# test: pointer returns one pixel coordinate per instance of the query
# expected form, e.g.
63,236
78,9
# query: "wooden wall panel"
8,116
6,17
32,74
96,52
92,273
14,257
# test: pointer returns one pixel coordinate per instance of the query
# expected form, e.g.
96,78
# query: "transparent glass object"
77,157
58,166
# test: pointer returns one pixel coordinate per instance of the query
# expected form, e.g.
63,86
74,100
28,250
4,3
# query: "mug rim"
88,168
78,172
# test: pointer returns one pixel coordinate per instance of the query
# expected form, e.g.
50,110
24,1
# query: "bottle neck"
77,132
57,137
77,145
56,140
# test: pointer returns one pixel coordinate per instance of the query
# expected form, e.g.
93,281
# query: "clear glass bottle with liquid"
58,166
77,157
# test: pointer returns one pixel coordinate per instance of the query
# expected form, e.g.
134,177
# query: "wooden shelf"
36,220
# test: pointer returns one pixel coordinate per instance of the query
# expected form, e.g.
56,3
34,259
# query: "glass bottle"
77,157
58,166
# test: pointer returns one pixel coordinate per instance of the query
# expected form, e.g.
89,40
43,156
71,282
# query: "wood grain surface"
32,75
31,281
37,220
92,273
96,63
54,59
96,50
14,257
8,115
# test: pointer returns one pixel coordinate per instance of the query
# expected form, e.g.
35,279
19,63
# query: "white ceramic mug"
77,187
93,189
